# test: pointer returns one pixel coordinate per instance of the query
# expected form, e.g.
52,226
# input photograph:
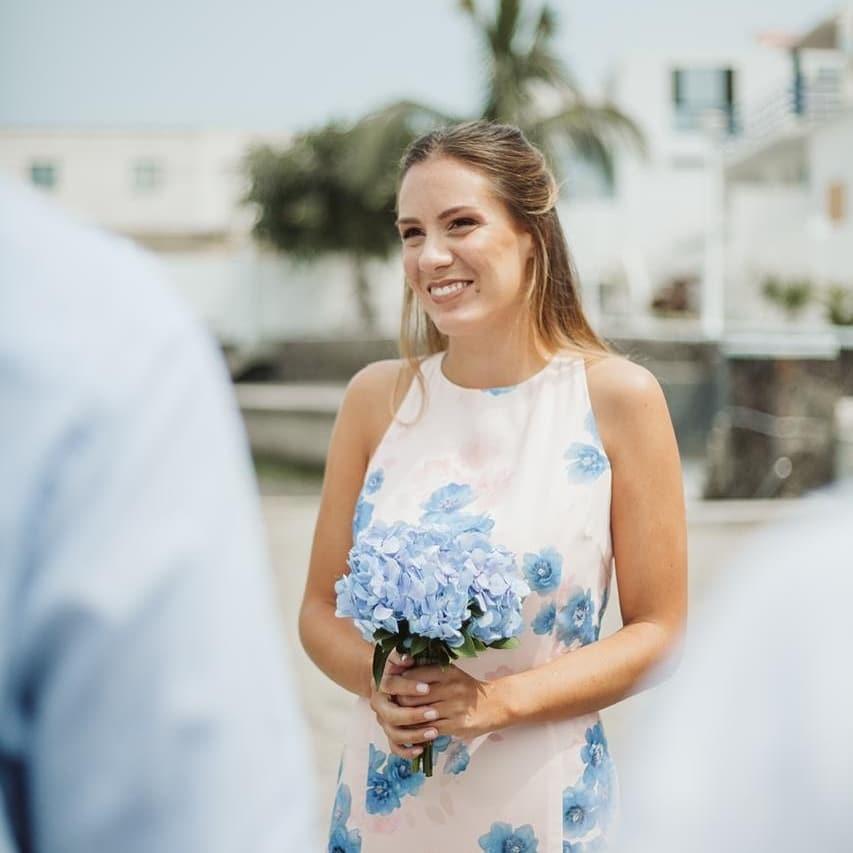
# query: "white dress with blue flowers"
523,465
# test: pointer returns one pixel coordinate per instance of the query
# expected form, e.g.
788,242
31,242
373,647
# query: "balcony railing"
801,104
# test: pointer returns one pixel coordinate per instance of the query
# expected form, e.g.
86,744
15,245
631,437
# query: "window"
835,202
696,92
43,173
147,175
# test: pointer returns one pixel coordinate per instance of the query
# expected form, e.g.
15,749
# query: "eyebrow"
449,212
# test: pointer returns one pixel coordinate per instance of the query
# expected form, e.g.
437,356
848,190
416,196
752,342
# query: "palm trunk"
363,296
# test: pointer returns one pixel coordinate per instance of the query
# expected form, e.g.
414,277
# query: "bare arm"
334,644
649,543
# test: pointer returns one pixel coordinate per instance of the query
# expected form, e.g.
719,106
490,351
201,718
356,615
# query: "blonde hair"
520,177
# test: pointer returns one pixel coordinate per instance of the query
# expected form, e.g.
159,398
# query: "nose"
434,255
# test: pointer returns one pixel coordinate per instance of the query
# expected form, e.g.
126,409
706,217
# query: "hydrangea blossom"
430,577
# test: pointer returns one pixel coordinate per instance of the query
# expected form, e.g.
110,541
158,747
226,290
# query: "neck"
492,361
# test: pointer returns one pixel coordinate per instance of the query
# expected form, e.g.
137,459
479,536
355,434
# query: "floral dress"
523,465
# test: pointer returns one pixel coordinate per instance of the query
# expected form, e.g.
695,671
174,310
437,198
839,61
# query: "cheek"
410,265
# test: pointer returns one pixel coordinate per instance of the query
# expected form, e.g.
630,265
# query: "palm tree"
527,84
332,191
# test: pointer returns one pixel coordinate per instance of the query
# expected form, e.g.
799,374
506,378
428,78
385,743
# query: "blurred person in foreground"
144,697
750,748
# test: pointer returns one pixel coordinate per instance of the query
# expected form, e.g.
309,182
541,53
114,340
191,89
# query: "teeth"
447,289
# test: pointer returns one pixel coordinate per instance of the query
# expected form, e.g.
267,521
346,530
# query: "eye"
463,222
409,232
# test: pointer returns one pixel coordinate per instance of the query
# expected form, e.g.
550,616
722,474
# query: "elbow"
668,653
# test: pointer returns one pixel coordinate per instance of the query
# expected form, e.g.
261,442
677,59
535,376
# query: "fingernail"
403,658
429,734
431,714
422,687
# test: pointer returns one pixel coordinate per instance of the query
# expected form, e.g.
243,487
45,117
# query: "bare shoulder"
627,400
618,381
375,393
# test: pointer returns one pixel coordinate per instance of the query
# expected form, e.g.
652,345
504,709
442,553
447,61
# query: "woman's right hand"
405,728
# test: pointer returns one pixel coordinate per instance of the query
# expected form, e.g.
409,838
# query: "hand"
400,725
465,706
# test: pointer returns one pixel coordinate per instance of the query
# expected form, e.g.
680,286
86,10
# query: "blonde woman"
506,415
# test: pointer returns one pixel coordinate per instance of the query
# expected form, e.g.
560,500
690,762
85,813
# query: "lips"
453,289
446,282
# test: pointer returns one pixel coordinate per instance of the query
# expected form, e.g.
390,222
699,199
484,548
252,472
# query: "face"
463,255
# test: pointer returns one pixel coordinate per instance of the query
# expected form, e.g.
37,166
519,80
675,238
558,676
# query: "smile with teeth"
448,289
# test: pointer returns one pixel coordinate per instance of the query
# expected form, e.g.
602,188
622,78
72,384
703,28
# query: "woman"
509,415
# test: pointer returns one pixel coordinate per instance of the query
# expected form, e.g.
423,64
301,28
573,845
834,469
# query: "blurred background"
705,153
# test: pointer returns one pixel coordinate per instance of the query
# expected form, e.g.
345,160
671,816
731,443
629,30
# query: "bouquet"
436,592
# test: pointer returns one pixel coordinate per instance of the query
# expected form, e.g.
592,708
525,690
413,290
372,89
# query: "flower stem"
425,757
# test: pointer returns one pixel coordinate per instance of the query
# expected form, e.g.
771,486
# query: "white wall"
831,161
201,177
766,236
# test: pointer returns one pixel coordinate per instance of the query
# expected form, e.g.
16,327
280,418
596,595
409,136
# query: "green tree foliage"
332,190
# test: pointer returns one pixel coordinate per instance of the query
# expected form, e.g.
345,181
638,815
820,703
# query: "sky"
287,65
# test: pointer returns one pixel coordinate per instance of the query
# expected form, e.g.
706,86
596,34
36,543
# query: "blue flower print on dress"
502,838
399,772
363,514
440,743
574,622
596,757
443,508
543,623
342,840
586,462
457,758
374,481
591,427
597,845
381,796
500,389
342,806
579,812
543,570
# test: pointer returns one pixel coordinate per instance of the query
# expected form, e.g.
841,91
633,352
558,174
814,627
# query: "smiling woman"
507,437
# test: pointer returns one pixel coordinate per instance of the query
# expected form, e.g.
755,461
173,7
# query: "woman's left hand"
466,706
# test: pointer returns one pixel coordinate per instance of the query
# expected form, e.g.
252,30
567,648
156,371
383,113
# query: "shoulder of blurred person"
144,700
750,746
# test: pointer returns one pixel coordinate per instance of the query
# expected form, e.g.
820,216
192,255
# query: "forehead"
440,183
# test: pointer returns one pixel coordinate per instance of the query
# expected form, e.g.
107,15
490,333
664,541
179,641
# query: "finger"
409,750
418,699
429,673
402,685
415,736
398,660
411,717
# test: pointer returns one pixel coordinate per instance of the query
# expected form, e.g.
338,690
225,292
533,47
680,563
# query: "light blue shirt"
145,702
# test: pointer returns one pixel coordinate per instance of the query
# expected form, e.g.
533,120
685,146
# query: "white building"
787,181
747,175
178,193
719,202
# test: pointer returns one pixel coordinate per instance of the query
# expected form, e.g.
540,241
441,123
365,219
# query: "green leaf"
419,645
380,656
467,649
508,643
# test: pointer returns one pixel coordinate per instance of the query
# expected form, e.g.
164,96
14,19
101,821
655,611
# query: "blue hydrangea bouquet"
437,591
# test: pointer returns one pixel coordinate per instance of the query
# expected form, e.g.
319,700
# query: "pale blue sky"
288,65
